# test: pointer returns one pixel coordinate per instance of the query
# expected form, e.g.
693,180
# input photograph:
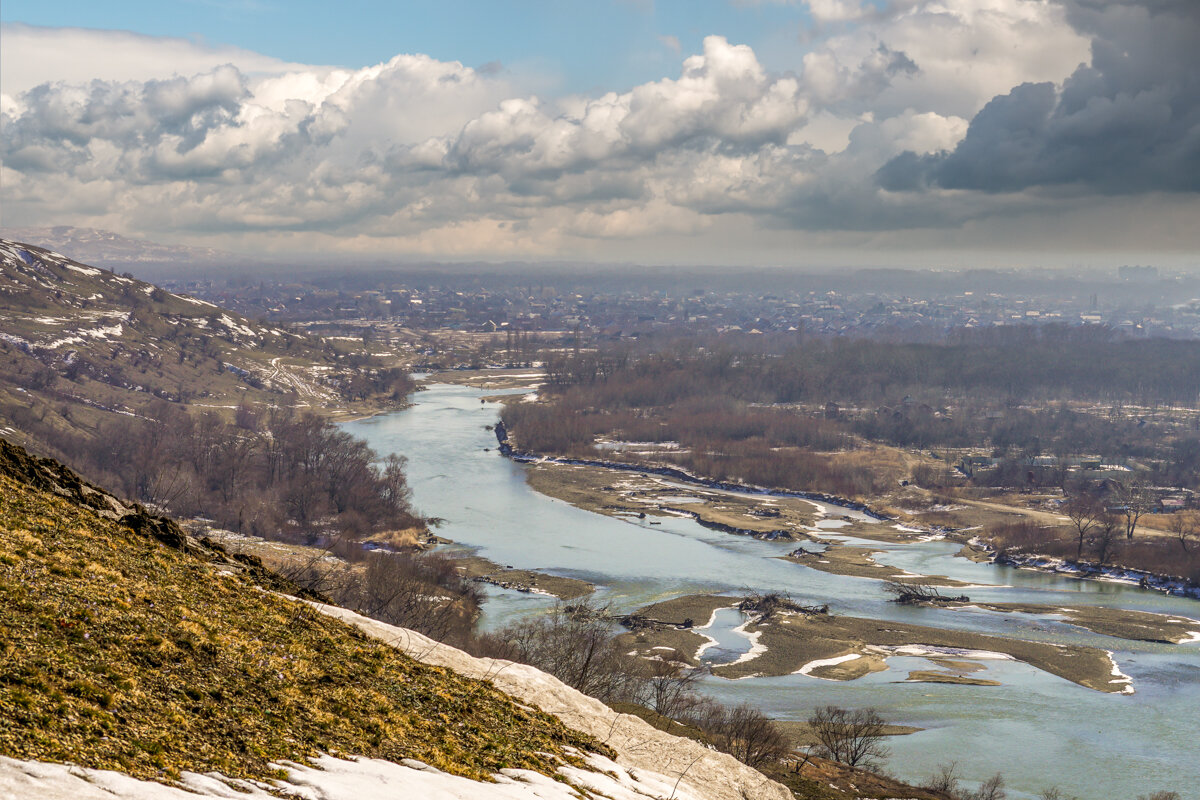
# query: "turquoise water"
1036,728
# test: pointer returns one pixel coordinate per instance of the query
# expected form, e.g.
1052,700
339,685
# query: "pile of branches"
769,604
919,593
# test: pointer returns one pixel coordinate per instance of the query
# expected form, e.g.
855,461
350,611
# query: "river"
1038,729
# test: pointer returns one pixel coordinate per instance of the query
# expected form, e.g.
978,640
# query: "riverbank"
530,581
571,490
1168,584
626,495
1119,623
492,378
1046,723
835,647
858,562
635,494
679,474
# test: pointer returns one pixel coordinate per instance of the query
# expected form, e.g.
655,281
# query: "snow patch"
228,322
1118,676
711,642
341,779
194,300
84,270
645,753
755,650
933,650
825,662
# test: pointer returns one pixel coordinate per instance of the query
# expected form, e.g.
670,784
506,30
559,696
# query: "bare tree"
1186,527
423,592
575,644
945,780
1085,513
1136,499
853,737
1106,538
918,593
670,685
1052,793
742,731
991,789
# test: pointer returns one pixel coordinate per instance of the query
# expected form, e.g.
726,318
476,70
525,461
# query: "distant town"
906,306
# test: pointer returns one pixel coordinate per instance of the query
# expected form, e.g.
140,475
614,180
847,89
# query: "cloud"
671,43
33,55
835,10
1127,122
416,154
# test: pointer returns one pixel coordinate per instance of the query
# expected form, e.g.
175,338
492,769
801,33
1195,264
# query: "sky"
812,133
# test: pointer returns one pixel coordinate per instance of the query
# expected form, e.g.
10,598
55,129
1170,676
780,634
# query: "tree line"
763,409
275,473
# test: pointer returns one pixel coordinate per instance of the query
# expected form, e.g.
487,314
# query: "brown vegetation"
125,645
1103,544
853,737
277,475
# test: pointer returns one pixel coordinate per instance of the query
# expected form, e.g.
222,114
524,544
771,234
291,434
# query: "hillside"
100,247
129,647
79,344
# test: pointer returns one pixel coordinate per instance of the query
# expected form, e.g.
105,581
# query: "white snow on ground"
1195,637
1118,676
228,322
755,650
702,773
336,779
104,333
711,641
15,253
825,662
11,339
931,650
188,299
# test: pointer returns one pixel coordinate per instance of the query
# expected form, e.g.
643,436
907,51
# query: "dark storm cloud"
1128,122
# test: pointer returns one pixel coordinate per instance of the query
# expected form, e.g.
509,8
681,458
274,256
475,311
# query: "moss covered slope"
125,645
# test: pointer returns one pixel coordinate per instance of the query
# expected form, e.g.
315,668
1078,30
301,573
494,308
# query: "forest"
276,473
775,411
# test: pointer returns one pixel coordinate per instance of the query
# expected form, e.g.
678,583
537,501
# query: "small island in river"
837,647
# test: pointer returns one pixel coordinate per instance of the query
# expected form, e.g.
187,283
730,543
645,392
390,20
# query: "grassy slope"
118,651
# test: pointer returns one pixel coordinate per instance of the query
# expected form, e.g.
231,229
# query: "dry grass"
118,652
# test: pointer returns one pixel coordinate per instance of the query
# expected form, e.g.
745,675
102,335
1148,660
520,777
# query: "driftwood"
918,593
768,604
